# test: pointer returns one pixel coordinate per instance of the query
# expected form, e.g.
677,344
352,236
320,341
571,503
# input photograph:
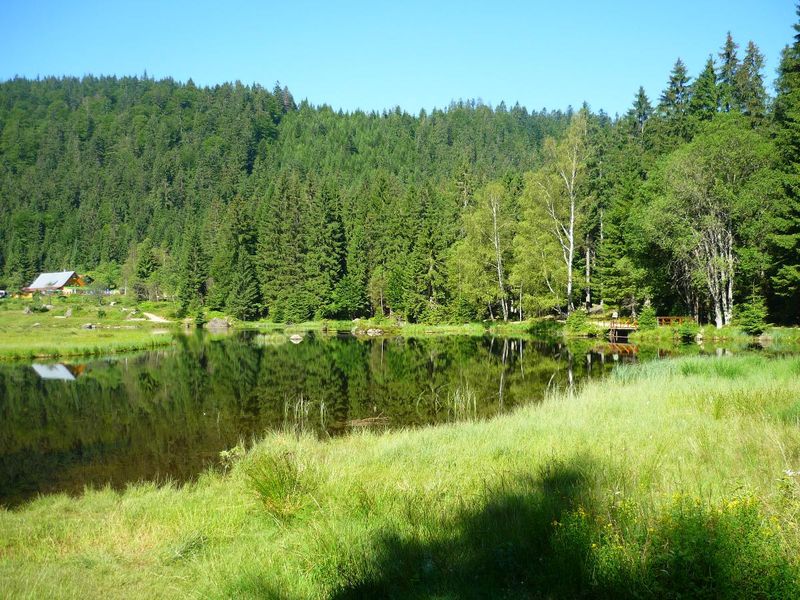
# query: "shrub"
687,331
751,315
578,323
648,320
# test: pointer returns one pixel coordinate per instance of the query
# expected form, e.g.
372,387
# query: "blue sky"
375,55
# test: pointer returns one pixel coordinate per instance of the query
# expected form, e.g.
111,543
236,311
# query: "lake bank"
74,328
671,477
167,413
129,326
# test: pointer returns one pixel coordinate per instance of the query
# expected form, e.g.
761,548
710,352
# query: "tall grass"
670,479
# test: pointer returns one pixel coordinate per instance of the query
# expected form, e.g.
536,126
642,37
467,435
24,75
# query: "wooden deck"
623,326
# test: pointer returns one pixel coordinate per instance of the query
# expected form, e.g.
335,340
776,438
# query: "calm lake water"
167,414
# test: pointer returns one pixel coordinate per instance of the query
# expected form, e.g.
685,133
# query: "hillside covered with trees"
237,198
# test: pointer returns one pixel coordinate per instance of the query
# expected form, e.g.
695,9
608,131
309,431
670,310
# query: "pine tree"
193,272
728,73
704,101
675,99
323,262
243,300
785,240
674,104
233,276
641,111
751,97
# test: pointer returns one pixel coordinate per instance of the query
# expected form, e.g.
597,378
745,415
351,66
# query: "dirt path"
156,318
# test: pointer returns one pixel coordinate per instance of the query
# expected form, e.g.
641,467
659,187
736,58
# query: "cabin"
64,282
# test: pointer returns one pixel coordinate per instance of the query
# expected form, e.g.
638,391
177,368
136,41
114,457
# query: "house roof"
47,281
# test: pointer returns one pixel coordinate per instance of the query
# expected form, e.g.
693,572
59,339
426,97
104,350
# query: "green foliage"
687,331
160,188
578,323
751,315
647,319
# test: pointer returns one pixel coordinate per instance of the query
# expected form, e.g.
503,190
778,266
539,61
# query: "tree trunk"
571,252
588,275
495,206
601,245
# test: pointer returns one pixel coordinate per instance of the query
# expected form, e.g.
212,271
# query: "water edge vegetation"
673,477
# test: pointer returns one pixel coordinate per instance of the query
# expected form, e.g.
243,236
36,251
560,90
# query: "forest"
239,199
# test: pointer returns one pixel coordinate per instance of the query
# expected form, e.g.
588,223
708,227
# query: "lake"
167,414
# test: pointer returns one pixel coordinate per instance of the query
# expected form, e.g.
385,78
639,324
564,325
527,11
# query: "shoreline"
577,493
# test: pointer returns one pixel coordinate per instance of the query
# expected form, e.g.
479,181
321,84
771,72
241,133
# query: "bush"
687,331
578,323
648,319
751,315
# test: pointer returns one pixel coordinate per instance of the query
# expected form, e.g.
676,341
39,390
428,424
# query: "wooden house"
64,282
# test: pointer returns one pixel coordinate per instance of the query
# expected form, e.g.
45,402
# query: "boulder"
68,314
27,310
218,324
296,338
374,332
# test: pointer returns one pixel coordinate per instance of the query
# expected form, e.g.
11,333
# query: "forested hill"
237,198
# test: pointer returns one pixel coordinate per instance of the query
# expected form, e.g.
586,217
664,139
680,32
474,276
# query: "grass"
388,327
52,334
669,479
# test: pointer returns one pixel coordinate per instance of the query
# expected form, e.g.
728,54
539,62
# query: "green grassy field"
670,479
50,333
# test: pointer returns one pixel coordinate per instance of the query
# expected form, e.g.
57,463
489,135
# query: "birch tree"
556,189
480,261
716,197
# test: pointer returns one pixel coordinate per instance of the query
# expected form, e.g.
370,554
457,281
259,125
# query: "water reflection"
168,413
58,371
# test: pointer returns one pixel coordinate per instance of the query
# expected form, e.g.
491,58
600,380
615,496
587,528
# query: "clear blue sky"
412,54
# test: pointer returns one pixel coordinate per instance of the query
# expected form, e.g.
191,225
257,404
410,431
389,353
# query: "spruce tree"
674,102
323,260
675,99
728,74
193,272
751,97
234,283
785,240
641,111
243,297
704,102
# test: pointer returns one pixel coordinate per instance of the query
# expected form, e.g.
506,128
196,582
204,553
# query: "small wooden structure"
668,321
62,282
620,328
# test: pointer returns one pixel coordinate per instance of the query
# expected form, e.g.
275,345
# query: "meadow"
672,478
60,331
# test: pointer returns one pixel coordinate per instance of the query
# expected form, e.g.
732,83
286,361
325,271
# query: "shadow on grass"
545,537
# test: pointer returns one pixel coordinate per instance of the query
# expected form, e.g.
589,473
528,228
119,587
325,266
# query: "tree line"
237,198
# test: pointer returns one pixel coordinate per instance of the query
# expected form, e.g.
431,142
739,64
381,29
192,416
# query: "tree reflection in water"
167,414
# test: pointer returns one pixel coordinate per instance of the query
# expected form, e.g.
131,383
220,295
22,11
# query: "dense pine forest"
240,199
